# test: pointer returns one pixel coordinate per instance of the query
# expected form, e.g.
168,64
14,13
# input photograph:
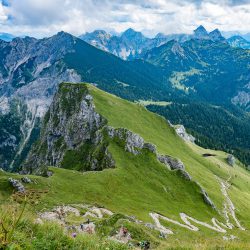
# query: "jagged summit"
132,34
215,36
201,33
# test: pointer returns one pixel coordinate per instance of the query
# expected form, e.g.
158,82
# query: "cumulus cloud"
46,17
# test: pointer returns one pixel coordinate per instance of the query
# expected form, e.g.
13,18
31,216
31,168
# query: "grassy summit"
140,184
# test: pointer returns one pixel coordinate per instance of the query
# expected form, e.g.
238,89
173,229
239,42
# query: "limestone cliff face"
72,134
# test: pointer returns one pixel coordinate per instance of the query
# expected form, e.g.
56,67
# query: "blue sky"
45,17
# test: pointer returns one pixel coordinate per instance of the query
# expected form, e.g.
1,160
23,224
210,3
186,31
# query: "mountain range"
132,44
136,143
204,69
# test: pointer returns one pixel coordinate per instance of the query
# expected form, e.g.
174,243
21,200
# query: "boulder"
171,162
231,160
26,180
19,187
181,131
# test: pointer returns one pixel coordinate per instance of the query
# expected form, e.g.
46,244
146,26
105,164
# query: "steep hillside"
30,70
156,177
212,126
204,69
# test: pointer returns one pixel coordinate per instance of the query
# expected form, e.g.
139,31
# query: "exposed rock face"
239,42
216,36
30,73
242,98
150,147
231,160
171,162
181,131
26,180
133,142
201,33
17,185
206,198
185,175
71,134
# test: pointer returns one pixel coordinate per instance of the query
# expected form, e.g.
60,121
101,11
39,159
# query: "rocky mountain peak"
71,129
23,40
63,35
98,33
132,34
215,36
201,33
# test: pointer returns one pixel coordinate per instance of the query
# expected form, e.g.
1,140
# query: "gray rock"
231,160
185,175
71,124
133,142
149,146
26,180
17,185
181,131
206,198
171,162
49,173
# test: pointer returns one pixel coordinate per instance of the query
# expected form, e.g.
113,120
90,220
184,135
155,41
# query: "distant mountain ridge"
6,37
132,44
239,42
203,70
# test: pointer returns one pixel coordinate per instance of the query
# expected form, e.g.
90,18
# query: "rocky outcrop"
133,142
17,185
149,146
72,134
184,174
26,180
171,162
181,131
231,160
206,198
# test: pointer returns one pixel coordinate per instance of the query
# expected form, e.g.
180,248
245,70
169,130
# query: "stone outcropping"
171,162
17,185
71,135
231,160
133,142
181,131
207,199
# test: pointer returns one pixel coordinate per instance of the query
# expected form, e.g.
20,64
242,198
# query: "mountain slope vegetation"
140,185
204,69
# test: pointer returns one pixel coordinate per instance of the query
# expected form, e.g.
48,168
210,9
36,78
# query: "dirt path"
229,210
59,214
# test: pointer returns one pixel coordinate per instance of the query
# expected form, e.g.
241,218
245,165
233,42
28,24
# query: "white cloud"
46,17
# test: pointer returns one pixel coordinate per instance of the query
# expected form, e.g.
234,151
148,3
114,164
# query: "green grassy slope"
140,184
